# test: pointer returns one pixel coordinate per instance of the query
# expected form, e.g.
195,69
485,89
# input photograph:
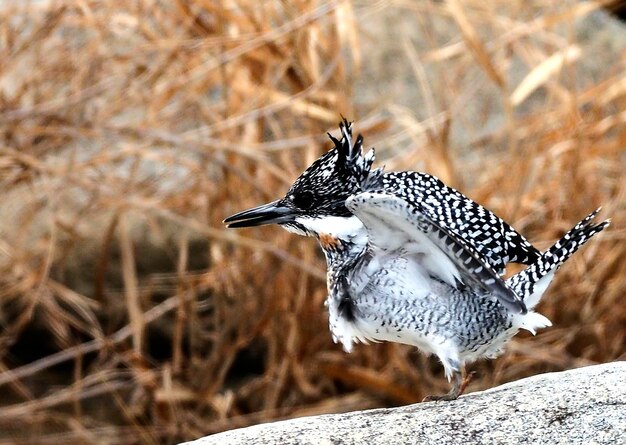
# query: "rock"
580,406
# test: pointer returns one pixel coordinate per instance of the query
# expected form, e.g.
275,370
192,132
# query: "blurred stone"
458,85
580,406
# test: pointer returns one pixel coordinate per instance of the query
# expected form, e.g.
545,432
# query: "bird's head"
315,203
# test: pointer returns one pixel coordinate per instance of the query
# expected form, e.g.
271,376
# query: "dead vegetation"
128,132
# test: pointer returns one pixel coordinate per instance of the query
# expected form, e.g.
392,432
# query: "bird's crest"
351,157
339,173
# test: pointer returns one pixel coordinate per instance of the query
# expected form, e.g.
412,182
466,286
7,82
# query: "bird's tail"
531,283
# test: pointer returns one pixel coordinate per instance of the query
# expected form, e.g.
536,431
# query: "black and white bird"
413,261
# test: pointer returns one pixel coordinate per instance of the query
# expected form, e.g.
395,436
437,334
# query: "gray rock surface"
580,406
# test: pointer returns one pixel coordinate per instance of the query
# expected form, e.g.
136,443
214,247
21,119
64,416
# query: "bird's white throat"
349,229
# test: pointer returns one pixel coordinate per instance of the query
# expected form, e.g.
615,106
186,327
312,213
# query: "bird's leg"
468,376
461,380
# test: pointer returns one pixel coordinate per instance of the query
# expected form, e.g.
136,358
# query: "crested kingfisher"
413,261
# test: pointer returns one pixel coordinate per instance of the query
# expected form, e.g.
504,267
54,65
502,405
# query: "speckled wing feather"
394,225
488,234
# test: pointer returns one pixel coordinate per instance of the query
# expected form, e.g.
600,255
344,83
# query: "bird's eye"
303,200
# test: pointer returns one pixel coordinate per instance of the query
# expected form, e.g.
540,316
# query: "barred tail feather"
531,283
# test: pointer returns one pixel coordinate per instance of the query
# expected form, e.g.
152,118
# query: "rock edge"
580,406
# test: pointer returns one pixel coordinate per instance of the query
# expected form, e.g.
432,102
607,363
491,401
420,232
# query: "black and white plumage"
393,222
458,325
529,281
413,261
497,241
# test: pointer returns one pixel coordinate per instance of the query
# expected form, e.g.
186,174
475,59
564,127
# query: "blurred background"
129,130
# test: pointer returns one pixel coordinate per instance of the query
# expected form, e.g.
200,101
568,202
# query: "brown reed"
129,131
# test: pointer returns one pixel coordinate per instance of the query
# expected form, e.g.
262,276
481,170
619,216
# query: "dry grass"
129,314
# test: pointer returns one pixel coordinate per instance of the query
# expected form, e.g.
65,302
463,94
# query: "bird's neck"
341,251
342,238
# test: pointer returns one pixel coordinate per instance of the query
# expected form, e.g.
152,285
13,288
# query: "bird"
413,261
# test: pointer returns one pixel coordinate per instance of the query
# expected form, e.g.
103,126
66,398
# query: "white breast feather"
390,227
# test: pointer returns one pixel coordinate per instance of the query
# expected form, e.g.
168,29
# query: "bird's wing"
496,241
393,224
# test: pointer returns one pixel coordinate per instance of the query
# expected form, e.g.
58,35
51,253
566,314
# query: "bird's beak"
272,213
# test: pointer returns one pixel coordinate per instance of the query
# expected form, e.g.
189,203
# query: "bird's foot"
446,397
461,380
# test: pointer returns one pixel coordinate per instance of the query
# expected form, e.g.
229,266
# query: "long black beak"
272,213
